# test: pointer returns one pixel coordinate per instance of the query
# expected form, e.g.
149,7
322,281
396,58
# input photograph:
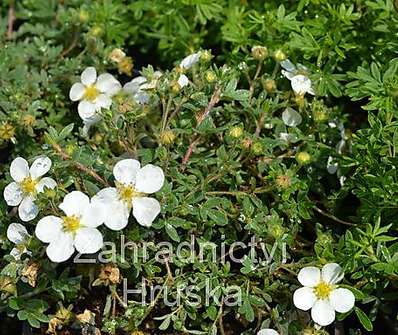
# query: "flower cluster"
77,229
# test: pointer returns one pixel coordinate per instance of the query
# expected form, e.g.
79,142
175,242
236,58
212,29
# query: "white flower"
291,117
299,80
27,183
133,183
93,93
190,60
76,230
321,294
134,88
18,235
267,331
183,80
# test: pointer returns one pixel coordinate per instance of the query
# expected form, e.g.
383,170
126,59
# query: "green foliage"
231,162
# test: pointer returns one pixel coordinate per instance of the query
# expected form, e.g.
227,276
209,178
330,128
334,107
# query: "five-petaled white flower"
27,183
93,93
299,80
133,183
267,331
321,294
190,60
77,229
18,235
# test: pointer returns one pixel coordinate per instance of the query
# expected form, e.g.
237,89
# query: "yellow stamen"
28,185
71,223
91,93
323,290
127,193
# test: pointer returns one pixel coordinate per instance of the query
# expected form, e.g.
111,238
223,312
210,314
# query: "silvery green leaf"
291,117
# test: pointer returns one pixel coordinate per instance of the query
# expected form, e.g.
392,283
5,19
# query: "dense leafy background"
231,184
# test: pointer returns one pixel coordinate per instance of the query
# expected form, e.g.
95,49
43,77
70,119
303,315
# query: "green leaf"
363,318
172,232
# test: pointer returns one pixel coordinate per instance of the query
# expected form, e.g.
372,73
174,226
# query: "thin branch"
334,218
215,98
78,165
11,20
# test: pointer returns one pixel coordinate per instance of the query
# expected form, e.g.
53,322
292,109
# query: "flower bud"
259,52
117,55
7,131
236,131
269,85
83,16
257,148
70,148
283,181
7,285
175,87
167,137
246,143
28,120
206,55
110,274
96,31
210,76
126,66
303,157
279,55
276,230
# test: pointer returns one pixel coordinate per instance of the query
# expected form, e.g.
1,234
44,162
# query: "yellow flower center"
127,193
71,223
91,93
28,185
323,290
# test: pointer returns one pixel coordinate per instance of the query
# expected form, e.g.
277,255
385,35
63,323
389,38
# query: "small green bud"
167,137
259,52
257,148
236,131
206,56
269,85
210,76
279,55
303,157
83,16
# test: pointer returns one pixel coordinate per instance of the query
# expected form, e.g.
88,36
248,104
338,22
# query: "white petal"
291,117
309,276
45,182
88,240
13,194
76,91
106,195
27,210
117,215
267,331
288,65
332,273
145,210
17,253
103,101
94,214
125,171
75,203
86,109
40,167
61,248
342,300
89,76
108,84
323,313
19,169
132,87
48,228
331,166
287,74
183,80
150,179
141,98
301,84
304,298
17,233
190,60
